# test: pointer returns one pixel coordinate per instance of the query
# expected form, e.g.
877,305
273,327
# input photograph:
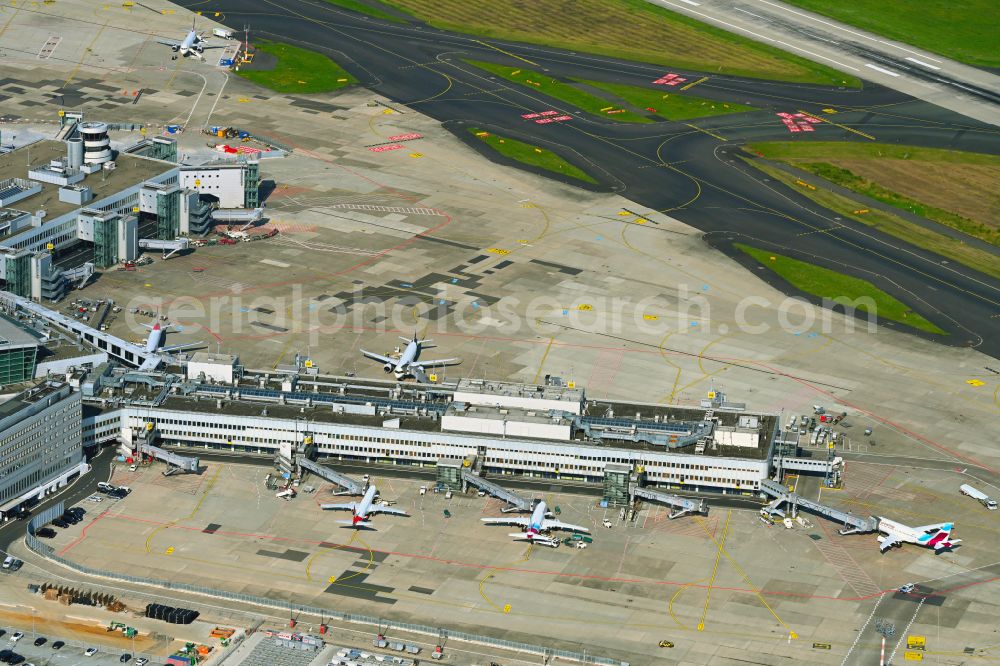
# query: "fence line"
381,624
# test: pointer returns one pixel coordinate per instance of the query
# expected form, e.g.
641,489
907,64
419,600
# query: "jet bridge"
350,485
169,247
516,501
176,464
80,275
852,524
681,505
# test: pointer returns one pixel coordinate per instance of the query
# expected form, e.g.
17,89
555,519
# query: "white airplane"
362,510
932,536
155,340
534,526
194,44
407,363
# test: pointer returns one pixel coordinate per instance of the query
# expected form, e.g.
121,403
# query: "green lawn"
824,283
369,9
951,187
946,246
966,30
629,29
565,92
672,105
298,71
531,155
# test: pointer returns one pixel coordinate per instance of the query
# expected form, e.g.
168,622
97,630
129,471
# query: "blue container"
121,458
226,62
604,504
244,135
172,129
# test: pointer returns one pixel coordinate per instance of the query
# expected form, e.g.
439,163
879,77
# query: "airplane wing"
888,542
385,509
558,525
338,507
523,522
168,42
435,362
378,357
202,45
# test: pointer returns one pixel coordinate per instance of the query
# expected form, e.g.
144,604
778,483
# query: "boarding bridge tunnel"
681,505
853,524
176,464
518,503
169,247
350,486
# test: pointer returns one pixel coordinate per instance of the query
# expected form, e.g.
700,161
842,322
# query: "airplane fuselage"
155,339
535,525
362,508
906,534
410,354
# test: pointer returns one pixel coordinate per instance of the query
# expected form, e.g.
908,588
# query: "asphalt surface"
685,170
964,89
895,613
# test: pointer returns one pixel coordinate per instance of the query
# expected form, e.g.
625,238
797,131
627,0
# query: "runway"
689,171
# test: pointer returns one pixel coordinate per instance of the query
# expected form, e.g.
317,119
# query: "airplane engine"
175,48
199,49
388,368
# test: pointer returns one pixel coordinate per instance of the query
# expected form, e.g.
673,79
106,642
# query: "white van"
7,562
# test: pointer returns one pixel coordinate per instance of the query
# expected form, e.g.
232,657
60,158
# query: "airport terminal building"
498,428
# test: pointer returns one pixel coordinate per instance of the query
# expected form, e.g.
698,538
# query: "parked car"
40,641
78,511
8,561
57,645
907,588
59,522
125,658
16,564
16,636
141,661
91,651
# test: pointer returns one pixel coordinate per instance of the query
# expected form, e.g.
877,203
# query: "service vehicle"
979,496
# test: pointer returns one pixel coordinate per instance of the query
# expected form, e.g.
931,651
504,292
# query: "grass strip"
914,234
365,8
670,105
564,92
922,159
840,288
965,31
634,30
526,153
298,70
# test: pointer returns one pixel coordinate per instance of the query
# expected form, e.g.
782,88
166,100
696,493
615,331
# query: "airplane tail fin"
946,544
354,524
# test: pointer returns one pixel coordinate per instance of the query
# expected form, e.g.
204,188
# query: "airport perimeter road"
692,171
967,90
895,612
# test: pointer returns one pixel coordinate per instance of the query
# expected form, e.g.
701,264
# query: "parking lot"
68,654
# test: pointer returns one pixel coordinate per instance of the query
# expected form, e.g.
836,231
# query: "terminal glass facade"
17,365
105,242
168,214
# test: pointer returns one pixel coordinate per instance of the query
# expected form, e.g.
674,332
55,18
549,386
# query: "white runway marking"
879,69
922,63
692,3
272,262
816,55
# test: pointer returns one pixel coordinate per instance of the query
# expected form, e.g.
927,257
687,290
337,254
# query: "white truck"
223,33
980,496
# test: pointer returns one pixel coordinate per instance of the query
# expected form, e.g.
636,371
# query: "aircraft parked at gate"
362,510
155,340
932,536
534,526
407,363
194,44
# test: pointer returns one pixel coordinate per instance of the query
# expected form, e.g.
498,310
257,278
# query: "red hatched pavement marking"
670,79
798,122
382,149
